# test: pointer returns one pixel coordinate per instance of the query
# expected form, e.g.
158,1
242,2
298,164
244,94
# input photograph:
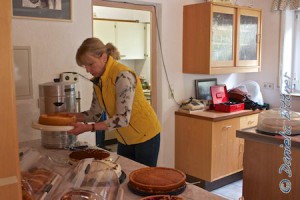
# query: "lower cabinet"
206,145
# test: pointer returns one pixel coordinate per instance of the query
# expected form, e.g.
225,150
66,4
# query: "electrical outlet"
269,86
69,77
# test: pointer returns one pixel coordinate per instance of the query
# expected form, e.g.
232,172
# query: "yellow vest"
143,124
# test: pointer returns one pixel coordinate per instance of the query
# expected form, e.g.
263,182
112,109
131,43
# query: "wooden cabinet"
219,39
128,37
206,145
10,185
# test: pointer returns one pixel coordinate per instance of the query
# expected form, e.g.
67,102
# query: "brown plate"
157,179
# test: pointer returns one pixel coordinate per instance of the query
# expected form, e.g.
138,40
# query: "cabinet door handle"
227,127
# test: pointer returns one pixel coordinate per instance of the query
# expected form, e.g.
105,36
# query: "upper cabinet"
128,37
221,38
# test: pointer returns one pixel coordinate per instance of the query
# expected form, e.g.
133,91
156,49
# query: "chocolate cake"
162,197
97,154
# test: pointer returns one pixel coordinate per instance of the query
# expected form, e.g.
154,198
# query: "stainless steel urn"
57,97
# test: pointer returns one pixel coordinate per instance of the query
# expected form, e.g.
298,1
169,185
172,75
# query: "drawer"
248,121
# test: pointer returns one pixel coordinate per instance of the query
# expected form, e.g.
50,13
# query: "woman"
118,91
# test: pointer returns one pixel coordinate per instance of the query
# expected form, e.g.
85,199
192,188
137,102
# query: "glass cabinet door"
248,39
222,38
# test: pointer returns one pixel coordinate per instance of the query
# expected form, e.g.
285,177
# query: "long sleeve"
95,111
125,90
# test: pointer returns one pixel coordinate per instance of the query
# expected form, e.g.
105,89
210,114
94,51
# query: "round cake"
57,119
97,154
80,194
157,180
162,197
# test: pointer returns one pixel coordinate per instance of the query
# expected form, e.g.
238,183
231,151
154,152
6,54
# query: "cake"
80,194
97,154
37,178
57,119
162,197
157,180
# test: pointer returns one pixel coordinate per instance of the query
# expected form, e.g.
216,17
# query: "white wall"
54,45
53,48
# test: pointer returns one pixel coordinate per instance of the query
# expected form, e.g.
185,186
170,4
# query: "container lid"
274,121
89,179
219,94
56,89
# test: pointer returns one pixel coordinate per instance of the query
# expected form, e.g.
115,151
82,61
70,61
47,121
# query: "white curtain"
286,50
286,4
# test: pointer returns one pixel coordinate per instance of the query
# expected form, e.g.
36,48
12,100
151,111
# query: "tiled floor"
231,191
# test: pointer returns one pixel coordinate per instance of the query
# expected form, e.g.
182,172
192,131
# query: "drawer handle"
227,127
251,122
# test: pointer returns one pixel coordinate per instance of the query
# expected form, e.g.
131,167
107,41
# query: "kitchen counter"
191,192
253,135
216,116
264,156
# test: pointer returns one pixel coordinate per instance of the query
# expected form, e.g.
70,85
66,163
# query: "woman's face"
94,65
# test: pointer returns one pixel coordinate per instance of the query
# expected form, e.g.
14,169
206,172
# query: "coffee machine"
57,97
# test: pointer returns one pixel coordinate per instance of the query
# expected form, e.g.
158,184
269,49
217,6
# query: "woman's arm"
125,90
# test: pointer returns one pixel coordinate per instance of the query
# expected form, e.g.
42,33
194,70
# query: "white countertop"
191,192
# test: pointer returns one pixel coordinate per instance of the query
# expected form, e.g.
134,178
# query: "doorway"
150,57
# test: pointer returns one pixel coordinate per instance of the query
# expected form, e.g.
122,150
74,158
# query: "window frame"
290,21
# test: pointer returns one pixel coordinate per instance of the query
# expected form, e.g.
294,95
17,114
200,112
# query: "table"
263,156
191,192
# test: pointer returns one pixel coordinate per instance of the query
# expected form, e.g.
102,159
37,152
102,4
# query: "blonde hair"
96,47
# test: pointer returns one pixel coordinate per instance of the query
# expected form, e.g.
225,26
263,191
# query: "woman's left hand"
79,128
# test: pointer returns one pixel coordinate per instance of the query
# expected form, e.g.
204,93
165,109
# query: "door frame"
153,39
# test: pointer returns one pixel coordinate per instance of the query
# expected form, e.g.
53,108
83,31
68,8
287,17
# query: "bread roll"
57,119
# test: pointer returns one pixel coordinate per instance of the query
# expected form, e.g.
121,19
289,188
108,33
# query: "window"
290,48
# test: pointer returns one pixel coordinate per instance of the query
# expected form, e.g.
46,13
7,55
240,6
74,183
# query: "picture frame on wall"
202,87
43,9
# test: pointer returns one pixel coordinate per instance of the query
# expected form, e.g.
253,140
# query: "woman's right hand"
79,128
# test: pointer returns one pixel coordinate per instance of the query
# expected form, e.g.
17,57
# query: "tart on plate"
157,180
162,197
97,154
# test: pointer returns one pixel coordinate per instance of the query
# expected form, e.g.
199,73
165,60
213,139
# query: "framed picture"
202,87
43,9
22,72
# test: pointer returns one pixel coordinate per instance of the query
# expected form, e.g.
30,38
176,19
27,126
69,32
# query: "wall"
56,53
53,48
